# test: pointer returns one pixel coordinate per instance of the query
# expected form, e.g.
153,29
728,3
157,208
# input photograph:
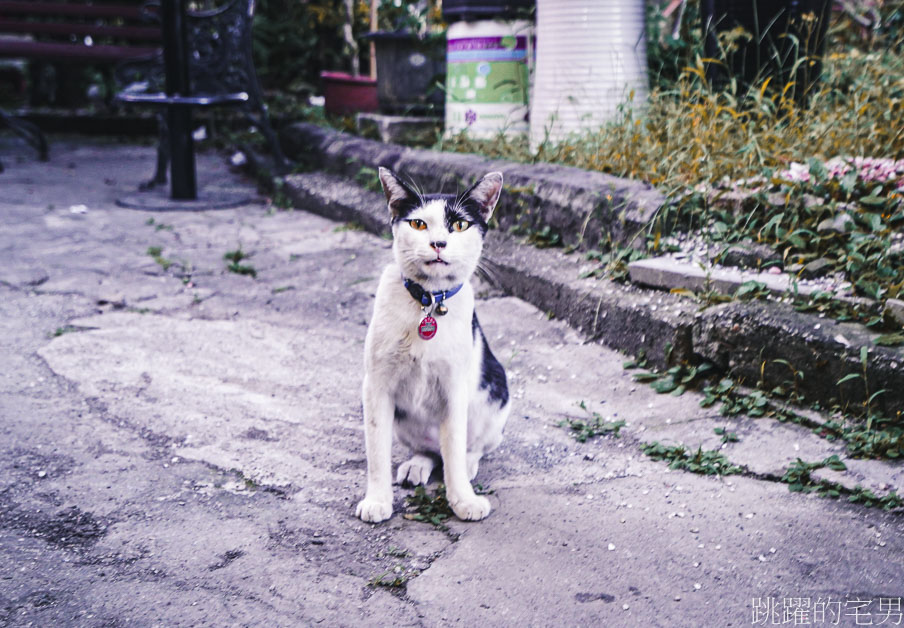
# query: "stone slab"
895,309
669,274
407,130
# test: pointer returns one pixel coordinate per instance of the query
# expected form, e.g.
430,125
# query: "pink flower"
837,167
797,173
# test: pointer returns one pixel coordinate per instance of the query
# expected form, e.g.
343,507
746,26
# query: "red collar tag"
427,328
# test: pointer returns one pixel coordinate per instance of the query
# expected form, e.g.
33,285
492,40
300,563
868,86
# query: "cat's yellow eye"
418,224
460,225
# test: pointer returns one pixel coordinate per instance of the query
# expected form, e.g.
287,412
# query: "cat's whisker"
417,191
487,271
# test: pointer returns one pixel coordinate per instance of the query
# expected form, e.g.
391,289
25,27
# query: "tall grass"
691,132
693,136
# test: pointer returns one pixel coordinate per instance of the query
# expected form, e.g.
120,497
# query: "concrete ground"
181,445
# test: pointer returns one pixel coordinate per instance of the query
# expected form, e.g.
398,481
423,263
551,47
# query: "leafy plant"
234,266
390,579
754,404
544,237
413,17
869,499
751,290
879,437
613,261
158,226
798,478
727,437
673,41
66,329
157,253
868,398
640,361
677,379
884,440
433,509
278,196
295,41
595,425
868,313
711,462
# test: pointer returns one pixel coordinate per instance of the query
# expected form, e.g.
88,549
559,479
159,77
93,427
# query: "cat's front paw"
373,511
471,509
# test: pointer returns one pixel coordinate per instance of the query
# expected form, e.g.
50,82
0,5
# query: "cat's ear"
485,194
398,195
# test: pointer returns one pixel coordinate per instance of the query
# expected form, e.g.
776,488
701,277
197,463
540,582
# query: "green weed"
864,496
613,261
595,425
869,398
543,238
727,436
234,266
66,329
369,179
391,579
867,436
677,379
433,509
156,252
702,462
278,196
349,226
158,226
799,480
395,552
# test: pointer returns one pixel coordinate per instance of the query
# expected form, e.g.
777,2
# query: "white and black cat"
429,374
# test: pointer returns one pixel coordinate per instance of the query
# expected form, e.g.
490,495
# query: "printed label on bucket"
487,70
487,120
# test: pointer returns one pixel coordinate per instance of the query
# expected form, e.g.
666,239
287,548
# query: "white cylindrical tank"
488,77
591,60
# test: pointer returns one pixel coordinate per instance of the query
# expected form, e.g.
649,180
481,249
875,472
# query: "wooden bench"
213,43
73,32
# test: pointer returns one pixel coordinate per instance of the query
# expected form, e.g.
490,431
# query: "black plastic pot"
410,72
787,43
470,10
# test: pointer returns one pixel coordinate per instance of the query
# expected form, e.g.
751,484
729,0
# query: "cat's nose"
438,245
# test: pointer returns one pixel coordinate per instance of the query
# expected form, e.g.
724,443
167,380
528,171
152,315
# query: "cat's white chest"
419,375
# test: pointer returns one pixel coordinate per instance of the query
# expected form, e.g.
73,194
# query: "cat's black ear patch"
485,194
400,198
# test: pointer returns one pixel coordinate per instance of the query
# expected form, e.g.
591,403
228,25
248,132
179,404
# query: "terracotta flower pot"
346,94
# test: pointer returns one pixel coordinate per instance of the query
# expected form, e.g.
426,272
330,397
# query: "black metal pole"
175,59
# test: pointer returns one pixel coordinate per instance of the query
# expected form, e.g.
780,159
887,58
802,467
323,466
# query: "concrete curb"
753,340
577,204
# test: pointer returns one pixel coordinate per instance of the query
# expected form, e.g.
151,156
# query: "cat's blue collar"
427,298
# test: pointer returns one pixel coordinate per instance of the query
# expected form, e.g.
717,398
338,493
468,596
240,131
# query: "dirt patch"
69,528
